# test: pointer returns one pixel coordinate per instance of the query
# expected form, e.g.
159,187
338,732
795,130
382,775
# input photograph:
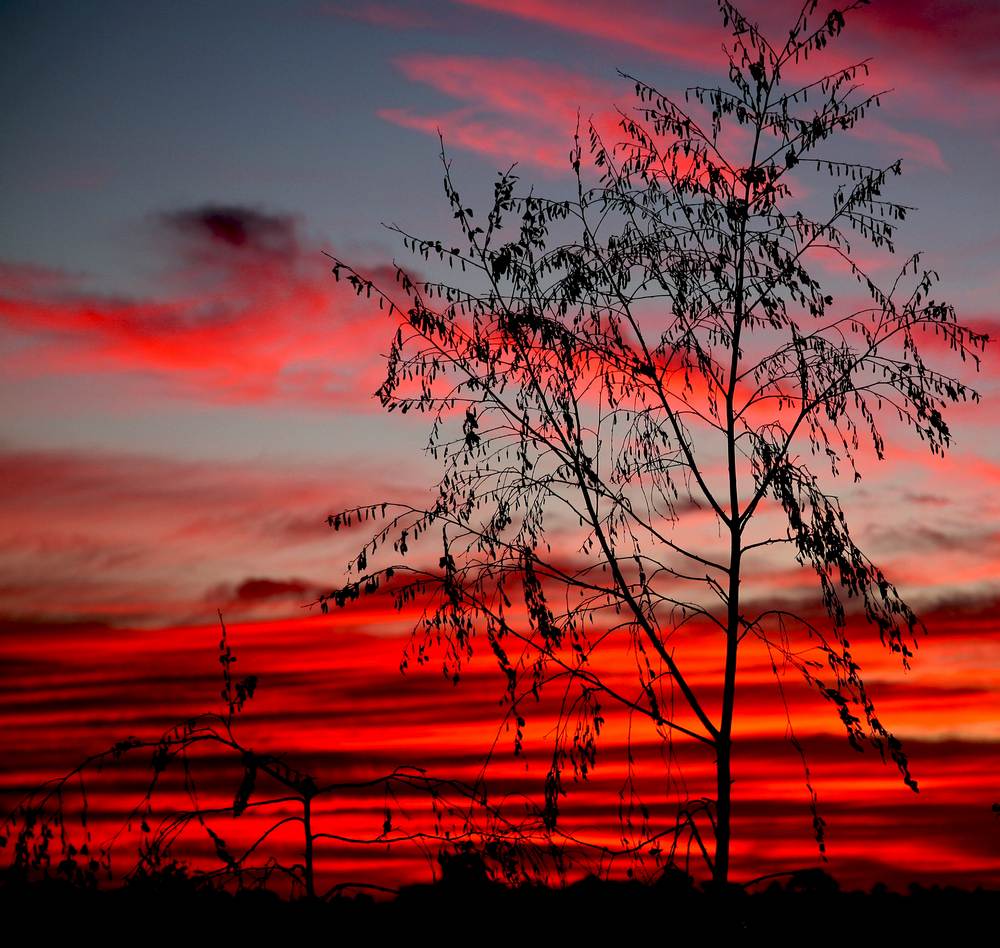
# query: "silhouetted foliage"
657,345
44,845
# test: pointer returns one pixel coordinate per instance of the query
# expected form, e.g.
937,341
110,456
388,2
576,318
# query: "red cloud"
141,539
332,696
942,59
249,313
526,111
939,64
254,589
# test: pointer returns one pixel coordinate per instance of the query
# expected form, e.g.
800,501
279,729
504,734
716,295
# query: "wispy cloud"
514,109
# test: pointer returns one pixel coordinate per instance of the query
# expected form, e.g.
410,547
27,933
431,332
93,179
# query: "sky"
186,392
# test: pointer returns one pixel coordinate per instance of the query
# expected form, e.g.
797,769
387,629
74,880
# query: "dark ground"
808,909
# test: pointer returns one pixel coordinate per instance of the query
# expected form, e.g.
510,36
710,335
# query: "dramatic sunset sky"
187,393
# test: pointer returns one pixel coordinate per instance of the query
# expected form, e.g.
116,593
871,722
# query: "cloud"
262,597
959,36
241,227
913,146
522,110
247,313
331,698
942,58
132,538
641,25
517,109
28,279
939,64
252,590
921,539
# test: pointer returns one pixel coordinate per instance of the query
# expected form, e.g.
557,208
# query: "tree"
657,344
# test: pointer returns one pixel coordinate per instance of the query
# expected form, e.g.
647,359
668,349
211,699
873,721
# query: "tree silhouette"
655,347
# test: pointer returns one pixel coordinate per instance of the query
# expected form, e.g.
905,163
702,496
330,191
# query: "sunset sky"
187,393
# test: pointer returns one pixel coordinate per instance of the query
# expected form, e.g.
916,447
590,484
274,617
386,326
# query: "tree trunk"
724,782
308,870
723,814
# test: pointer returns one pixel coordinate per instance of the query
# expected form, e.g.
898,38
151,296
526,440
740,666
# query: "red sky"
187,394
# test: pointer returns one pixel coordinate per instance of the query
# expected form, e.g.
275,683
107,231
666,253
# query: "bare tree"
656,344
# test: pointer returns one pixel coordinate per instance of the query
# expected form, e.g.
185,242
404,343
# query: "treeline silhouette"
465,903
